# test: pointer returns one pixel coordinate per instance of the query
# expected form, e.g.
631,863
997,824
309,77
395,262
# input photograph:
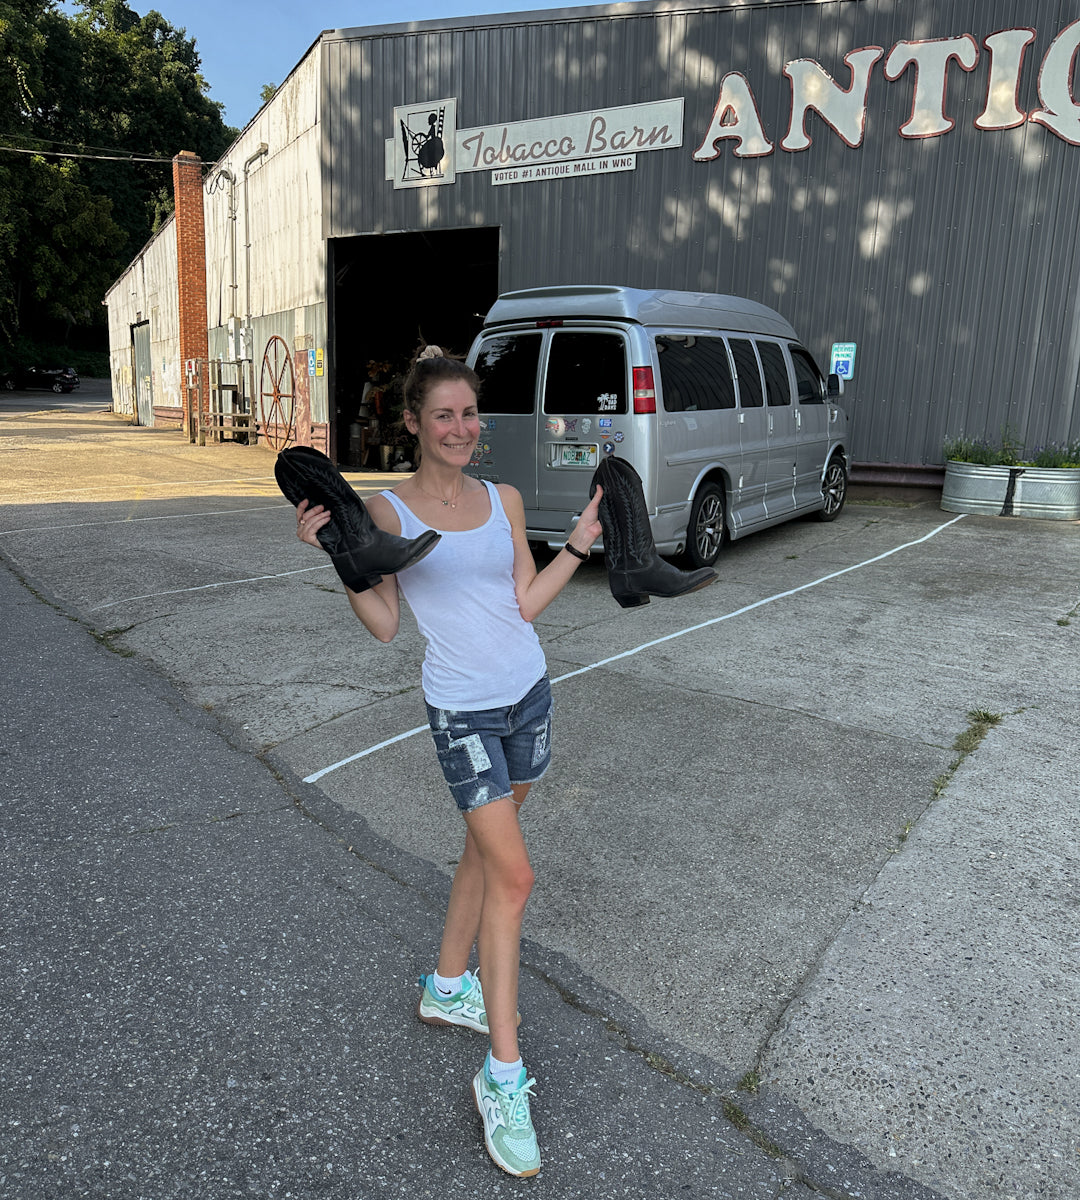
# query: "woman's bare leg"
508,880
463,912
466,903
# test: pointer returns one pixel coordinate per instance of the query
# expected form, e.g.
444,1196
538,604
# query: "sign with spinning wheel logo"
277,394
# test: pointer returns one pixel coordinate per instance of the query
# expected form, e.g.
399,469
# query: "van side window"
774,366
507,369
746,368
695,373
586,373
807,377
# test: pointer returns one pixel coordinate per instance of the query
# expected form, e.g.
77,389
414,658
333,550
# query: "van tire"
833,489
706,530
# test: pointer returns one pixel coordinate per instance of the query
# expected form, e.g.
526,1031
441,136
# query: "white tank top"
481,653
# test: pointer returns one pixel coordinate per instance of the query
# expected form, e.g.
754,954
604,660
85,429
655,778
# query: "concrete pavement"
208,988
757,855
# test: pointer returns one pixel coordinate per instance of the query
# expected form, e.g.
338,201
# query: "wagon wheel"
277,387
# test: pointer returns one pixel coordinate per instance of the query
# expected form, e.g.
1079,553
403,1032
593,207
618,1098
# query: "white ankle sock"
447,985
503,1073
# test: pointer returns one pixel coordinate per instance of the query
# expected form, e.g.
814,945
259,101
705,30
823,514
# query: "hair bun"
430,352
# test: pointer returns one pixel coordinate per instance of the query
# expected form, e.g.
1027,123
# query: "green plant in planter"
1009,452
1058,455
968,450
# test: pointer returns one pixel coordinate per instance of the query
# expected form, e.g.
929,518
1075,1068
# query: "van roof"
694,310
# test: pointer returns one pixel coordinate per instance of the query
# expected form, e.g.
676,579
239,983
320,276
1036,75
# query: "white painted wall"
283,209
147,291
278,263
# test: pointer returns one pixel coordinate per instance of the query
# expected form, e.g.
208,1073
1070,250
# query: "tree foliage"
105,81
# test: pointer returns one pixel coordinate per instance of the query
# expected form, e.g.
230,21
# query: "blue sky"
246,43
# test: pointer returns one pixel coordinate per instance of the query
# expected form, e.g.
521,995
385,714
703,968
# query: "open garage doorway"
389,292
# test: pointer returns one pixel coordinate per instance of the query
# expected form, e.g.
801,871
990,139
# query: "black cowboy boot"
635,570
360,551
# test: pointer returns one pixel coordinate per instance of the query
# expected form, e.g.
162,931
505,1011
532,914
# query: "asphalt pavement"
805,919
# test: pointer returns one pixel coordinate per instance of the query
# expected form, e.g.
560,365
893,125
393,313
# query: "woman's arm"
536,589
378,607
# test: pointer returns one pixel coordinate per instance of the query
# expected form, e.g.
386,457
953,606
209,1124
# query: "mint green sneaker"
508,1129
462,1008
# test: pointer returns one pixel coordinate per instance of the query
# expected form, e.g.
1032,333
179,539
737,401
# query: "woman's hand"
309,521
588,527
377,607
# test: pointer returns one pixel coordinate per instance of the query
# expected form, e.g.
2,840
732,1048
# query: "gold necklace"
445,503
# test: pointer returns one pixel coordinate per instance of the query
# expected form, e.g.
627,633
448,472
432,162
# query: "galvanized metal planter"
1050,493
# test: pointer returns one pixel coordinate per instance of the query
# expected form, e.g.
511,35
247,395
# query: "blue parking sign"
842,360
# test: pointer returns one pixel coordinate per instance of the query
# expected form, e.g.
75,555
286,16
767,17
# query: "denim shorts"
483,752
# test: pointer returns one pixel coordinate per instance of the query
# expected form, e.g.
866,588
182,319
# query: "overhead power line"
80,146
99,157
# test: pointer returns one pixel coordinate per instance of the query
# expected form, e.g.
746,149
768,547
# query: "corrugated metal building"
903,176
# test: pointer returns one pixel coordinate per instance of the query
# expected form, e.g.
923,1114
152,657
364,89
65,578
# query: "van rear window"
695,373
507,369
586,373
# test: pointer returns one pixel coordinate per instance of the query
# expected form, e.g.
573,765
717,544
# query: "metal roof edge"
624,8
166,221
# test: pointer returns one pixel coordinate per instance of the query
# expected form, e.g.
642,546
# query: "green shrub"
1058,455
968,450
1009,452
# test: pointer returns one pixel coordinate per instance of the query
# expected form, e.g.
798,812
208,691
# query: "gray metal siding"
952,261
302,329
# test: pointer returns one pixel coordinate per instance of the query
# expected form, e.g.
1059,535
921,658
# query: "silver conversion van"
725,416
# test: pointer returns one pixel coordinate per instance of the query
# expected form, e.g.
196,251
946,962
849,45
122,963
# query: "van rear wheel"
706,530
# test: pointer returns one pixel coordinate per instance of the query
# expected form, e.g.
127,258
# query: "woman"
489,706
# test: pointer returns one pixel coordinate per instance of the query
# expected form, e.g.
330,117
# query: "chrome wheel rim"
833,488
709,531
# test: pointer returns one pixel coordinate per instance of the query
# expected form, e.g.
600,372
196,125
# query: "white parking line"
202,587
221,512
738,612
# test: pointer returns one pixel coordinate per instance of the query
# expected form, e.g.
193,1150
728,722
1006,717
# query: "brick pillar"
190,266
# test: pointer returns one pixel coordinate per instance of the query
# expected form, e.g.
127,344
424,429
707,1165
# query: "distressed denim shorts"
483,752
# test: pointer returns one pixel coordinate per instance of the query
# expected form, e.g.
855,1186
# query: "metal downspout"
249,340
262,149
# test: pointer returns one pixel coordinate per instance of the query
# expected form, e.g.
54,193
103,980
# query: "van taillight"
644,392
552,323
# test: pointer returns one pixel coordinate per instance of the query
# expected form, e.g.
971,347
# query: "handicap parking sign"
842,360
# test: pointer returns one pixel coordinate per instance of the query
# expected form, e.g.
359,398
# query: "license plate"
577,456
